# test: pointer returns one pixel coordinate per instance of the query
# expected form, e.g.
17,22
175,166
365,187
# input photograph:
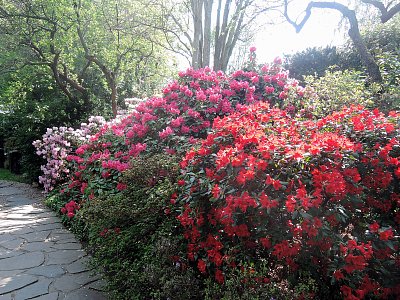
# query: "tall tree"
386,13
85,40
206,32
33,31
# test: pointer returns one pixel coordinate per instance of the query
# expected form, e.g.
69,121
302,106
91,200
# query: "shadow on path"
39,258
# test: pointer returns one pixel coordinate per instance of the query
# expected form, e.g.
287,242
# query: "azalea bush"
56,144
267,202
171,124
289,199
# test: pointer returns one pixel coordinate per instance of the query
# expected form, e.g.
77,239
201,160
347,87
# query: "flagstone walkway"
39,258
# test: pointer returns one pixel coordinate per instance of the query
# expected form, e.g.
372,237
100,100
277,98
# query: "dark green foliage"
7,175
30,104
137,241
312,61
250,286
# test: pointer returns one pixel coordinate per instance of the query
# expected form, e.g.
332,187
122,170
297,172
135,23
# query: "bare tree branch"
386,14
354,32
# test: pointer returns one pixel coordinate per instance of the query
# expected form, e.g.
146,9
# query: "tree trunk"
114,94
197,11
366,58
220,40
208,5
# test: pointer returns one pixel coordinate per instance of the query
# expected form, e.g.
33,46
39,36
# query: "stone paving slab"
39,258
22,262
9,284
9,191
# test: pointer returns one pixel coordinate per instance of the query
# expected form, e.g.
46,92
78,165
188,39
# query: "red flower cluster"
70,208
286,190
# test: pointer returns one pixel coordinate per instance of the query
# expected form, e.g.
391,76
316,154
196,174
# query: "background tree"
124,46
30,103
340,68
382,41
386,12
312,61
79,42
62,61
206,32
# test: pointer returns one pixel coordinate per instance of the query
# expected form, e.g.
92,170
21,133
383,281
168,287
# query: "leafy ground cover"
228,187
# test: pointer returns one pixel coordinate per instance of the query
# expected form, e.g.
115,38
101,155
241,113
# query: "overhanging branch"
354,33
386,14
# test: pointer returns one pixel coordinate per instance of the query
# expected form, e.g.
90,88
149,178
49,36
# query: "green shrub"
336,89
249,283
389,63
136,241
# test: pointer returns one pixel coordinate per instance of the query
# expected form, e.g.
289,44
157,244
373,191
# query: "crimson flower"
386,235
201,265
374,227
219,276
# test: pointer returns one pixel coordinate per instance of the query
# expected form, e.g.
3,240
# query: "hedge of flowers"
318,196
169,124
264,190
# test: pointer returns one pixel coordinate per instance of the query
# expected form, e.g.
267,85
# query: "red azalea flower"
121,186
215,191
291,203
219,276
338,275
374,227
201,265
397,172
386,235
265,242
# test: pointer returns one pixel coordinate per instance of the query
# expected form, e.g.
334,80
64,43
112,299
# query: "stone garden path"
39,258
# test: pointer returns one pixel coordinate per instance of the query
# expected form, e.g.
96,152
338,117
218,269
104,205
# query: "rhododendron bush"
265,191
57,143
317,196
171,124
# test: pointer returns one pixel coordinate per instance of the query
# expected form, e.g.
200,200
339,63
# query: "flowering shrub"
266,196
55,146
171,124
321,197
136,240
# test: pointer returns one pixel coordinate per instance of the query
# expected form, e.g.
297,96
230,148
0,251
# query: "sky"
320,30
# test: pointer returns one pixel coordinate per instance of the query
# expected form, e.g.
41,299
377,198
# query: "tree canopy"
89,47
